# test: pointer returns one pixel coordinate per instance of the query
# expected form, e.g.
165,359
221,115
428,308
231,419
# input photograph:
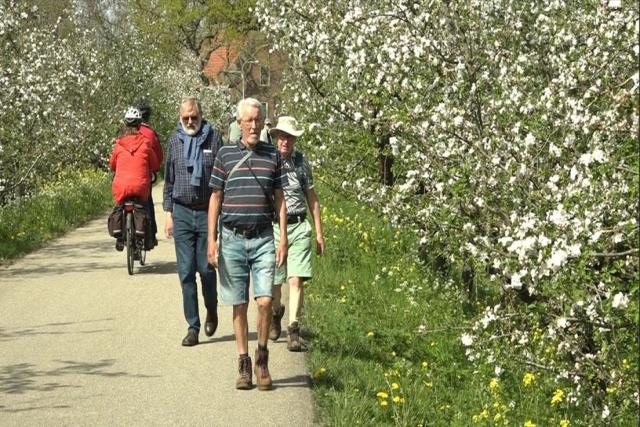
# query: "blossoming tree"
64,85
505,135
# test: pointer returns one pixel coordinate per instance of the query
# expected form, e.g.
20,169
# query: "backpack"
298,165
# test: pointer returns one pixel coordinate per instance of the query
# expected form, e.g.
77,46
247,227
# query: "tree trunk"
385,162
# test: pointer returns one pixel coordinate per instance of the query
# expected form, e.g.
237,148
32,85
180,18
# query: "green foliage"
384,329
68,201
199,27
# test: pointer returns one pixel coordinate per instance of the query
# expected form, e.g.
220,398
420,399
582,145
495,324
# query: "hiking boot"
276,328
293,339
244,369
119,245
263,378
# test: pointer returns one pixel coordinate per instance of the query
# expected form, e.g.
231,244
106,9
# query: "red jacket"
133,160
148,132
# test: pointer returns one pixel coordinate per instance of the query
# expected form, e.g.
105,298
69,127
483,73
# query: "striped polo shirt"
245,205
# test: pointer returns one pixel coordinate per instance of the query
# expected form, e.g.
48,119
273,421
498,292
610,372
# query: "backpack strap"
237,165
298,164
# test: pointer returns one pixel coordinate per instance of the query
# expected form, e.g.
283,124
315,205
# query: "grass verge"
58,207
385,339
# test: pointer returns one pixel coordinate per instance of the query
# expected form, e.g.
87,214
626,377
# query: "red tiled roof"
220,60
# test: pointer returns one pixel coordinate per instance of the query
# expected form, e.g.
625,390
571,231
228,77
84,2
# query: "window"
265,108
265,76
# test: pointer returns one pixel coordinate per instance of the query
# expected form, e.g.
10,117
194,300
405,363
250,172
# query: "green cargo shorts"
299,254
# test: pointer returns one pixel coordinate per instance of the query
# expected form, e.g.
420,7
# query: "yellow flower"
529,423
528,379
343,300
425,365
564,423
319,372
394,386
383,403
493,384
382,395
396,399
342,287
497,417
612,389
428,384
370,334
558,397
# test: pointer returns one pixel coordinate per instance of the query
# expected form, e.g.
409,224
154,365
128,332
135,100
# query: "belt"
203,206
294,219
247,233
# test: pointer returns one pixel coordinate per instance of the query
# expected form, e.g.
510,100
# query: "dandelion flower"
528,379
493,384
396,399
565,423
319,372
529,423
383,403
558,397
425,365
370,334
382,395
394,386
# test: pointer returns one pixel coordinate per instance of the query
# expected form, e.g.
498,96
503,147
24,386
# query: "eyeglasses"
187,118
253,122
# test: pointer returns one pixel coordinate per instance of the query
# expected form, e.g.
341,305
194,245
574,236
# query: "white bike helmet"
132,116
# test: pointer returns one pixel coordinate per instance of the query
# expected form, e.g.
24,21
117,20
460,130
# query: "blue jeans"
240,257
190,237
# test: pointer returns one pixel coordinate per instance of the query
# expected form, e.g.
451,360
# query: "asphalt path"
84,343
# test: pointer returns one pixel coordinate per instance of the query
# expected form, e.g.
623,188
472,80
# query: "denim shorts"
298,255
241,259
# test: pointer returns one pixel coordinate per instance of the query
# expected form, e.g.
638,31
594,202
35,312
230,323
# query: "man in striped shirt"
246,182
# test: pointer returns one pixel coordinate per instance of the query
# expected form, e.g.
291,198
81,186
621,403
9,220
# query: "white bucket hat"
287,124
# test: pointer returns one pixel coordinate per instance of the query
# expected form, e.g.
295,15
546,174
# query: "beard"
191,131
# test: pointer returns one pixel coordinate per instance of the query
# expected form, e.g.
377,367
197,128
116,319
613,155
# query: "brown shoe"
263,378
244,369
293,339
276,328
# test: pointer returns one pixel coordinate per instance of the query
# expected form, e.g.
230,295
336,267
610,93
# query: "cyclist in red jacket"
147,131
133,160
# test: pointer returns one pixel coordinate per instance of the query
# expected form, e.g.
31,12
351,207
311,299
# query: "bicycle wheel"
130,242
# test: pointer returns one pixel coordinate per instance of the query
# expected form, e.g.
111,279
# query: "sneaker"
293,339
119,245
244,369
276,328
263,377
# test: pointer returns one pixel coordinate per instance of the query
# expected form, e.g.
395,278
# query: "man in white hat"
298,192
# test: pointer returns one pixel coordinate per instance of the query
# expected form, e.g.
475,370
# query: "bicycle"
133,241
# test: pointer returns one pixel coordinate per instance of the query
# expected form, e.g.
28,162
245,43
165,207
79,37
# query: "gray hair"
248,103
191,101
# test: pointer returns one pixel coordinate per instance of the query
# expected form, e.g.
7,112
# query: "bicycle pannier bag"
140,219
114,222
